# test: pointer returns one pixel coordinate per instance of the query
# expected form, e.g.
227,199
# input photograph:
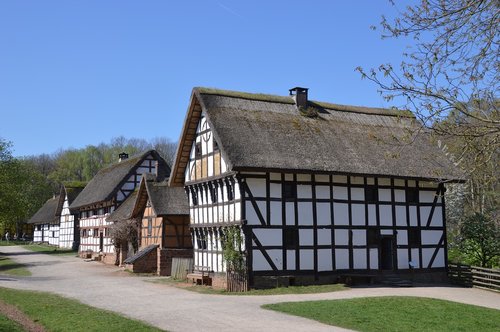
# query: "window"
291,238
412,195
371,194
197,150
150,226
201,240
216,146
53,234
96,232
213,192
289,191
414,237
38,227
230,190
194,197
84,233
372,236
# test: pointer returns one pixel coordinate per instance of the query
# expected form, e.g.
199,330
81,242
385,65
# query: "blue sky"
75,73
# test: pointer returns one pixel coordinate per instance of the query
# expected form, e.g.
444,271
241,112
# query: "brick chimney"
122,156
299,95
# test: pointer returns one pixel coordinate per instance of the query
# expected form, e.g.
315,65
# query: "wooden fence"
474,276
236,282
180,267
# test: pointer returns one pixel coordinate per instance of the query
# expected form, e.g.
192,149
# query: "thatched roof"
257,131
124,211
167,200
105,184
49,213
164,200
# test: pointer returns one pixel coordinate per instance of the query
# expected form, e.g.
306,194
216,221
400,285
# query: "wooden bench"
200,275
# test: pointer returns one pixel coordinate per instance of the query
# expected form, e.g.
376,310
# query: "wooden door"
101,241
387,252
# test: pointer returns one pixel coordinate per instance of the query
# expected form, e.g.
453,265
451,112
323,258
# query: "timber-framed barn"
107,190
318,190
161,214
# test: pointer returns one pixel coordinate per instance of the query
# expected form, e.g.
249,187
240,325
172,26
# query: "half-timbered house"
69,232
104,193
162,215
318,190
46,221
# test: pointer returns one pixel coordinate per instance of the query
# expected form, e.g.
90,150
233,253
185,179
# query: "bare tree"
451,71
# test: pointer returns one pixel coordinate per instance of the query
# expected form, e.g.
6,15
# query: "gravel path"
174,309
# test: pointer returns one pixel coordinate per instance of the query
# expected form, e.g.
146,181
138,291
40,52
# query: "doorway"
101,242
387,253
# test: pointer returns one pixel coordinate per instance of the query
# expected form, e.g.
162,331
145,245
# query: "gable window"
371,194
412,195
197,150
290,238
414,237
289,191
38,227
150,226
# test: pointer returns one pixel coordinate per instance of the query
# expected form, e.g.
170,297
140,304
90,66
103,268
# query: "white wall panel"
341,259
402,237
358,194
275,190
359,237
257,187
413,216
325,260
323,214
305,213
358,214
306,259
373,258
276,215
306,237
290,259
290,214
385,215
431,237
384,195
341,237
372,215
359,258
402,259
304,191
437,217
341,214
339,192
324,236
269,237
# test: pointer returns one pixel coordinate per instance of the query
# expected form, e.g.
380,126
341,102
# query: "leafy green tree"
480,240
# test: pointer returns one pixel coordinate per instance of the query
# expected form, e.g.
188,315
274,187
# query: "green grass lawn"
9,325
8,266
395,314
56,313
11,243
271,291
49,250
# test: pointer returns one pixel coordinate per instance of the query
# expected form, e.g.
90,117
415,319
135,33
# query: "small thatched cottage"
46,221
161,214
317,191
104,193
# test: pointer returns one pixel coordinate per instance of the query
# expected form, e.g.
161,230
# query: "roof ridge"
313,103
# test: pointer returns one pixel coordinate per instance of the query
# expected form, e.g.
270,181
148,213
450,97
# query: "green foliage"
480,241
23,189
395,314
231,249
56,313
